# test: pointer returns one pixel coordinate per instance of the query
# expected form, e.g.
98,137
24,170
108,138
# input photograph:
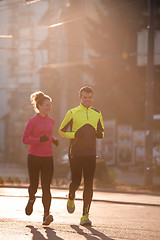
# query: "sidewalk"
98,196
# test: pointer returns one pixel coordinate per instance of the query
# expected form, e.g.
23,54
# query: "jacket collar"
40,117
83,107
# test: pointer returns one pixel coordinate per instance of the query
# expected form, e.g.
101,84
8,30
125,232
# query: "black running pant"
86,166
44,166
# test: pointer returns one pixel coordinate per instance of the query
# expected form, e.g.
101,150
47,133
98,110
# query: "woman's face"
45,108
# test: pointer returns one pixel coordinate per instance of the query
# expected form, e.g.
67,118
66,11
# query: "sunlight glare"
62,23
34,1
6,36
56,25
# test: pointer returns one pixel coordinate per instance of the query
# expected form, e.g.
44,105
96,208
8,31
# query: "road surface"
112,220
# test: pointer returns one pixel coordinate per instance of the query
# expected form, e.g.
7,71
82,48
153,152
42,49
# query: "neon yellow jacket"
82,126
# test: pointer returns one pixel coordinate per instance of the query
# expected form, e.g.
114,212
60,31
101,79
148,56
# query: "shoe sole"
70,210
87,223
28,214
48,220
30,210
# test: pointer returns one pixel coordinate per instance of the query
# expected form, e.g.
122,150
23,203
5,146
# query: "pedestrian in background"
82,125
38,135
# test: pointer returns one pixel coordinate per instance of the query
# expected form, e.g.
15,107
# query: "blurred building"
60,46
45,52
19,75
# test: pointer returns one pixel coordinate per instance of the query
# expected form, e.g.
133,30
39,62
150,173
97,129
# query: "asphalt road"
112,220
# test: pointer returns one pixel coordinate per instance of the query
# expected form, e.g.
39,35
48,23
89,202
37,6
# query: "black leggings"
85,165
45,166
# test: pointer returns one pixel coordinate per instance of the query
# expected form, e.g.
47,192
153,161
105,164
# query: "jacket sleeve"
100,127
27,138
64,130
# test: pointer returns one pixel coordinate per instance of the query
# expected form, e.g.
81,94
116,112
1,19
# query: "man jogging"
82,125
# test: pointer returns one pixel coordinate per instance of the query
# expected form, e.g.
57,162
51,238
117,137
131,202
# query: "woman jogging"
38,135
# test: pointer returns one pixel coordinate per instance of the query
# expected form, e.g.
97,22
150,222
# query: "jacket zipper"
87,113
44,126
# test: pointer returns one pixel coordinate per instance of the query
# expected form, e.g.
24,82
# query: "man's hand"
44,138
99,135
55,142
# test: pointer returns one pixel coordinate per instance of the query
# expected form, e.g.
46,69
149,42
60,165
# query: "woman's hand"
55,142
44,138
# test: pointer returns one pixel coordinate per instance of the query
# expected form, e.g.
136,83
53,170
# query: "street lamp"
149,98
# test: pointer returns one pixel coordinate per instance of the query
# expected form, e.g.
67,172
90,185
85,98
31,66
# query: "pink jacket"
35,128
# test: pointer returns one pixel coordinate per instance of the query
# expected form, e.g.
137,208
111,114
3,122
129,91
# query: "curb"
109,190
97,200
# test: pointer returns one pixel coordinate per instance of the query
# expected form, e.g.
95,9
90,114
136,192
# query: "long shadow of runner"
51,234
97,235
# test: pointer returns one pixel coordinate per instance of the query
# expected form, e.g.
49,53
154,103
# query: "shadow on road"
51,234
97,235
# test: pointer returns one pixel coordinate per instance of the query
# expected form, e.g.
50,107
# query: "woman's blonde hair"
38,98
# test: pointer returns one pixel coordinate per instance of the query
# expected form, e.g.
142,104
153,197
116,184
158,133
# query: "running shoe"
85,220
70,205
47,219
29,207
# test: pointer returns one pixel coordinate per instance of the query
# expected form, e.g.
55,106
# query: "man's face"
86,99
